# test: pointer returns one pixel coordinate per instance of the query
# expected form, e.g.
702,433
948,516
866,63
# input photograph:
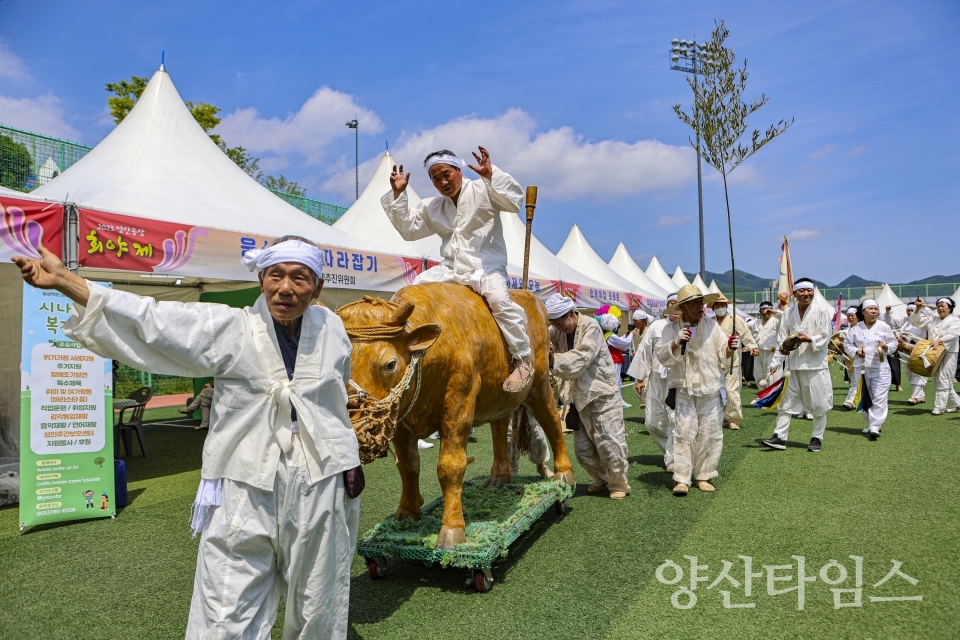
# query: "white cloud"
823,152
799,235
667,222
307,132
11,66
560,162
857,150
42,114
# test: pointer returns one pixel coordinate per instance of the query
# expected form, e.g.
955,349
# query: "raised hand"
398,181
43,273
484,168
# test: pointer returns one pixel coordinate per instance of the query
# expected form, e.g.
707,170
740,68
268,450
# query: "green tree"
126,95
16,164
284,185
719,115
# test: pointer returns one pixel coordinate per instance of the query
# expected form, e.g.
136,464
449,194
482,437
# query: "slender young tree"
719,115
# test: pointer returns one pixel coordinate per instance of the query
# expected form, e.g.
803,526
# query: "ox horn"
401,314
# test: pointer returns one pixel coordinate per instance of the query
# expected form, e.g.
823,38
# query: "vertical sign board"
66,419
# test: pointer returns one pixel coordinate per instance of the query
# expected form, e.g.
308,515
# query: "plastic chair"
135,423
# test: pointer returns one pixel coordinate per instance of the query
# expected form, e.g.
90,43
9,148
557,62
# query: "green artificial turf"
588,574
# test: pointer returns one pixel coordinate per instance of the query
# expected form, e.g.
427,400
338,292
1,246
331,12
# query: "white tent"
698,281
679,278
822,302
578,253
159,181
713,288
656,273
956,295
622,263
887,298
366,218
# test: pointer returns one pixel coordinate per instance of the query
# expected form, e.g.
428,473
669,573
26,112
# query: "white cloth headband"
558,306
671,298
851,310
869,303
446,158
639,315
912,306
949,301
288,251
803,284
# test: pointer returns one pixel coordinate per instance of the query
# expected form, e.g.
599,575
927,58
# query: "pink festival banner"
28,223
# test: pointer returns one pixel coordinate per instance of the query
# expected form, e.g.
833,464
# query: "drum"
923,360
835,347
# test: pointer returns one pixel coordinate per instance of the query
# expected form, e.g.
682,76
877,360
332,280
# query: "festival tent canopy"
713,288
622,263
679,278
697,280
657,273
822,302
578,253
158,196
887,298
366,217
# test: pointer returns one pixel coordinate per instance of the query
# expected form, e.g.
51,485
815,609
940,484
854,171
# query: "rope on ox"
375,421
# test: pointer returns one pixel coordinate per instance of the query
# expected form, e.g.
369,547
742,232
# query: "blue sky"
572,96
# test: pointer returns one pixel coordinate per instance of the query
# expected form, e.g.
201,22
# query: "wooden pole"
531,205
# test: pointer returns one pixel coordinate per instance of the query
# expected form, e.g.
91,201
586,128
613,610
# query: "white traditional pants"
659,418
298,539
510,316
698,439
808,390
854,378
946,397
539,446
600,445
878,381
732,410
761,368
917,384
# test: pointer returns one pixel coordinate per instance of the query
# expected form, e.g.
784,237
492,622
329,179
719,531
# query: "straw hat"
720,298
690,292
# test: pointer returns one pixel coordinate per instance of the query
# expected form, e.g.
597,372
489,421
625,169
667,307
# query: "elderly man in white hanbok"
466,216
918,394
579,354
280,456
651,379
765,334
853,373
870,342
808,386
733,376
694,347
944,331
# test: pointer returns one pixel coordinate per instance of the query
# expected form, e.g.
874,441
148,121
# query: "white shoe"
626,405
434,436
423,444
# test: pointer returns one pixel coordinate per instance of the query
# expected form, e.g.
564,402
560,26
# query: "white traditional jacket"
470,231
250,421
767,334
645,362
588,365
699,371
810,356
870,338
946,329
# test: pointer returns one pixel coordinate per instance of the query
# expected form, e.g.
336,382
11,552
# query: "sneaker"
434,436
953,410
937,412
775,442
815,444
423,444
874,435
865,430
847,406
807,416
626,405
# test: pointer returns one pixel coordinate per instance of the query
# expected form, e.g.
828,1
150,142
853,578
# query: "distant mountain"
937,279
857,281
745,281
749,282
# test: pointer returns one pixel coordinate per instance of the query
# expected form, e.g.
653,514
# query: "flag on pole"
785,287
862,400
769,397
838,315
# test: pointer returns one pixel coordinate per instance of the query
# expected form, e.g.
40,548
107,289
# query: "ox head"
383,342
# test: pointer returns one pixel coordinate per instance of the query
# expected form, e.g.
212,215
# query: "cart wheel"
560,506
375,570
482,582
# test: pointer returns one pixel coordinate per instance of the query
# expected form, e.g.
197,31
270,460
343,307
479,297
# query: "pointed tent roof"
622,263
713,288
697,280
656,273
956,295
578,253
367,218
159,164
820,301
679,278
887,298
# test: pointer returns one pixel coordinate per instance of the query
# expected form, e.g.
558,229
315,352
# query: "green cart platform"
495,518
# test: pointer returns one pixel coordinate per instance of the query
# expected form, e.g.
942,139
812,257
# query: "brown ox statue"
463,368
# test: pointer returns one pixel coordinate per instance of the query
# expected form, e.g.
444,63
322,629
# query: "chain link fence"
322,211
28,160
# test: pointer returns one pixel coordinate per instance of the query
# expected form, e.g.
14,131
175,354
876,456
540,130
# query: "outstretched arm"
505,192
411,224
49,272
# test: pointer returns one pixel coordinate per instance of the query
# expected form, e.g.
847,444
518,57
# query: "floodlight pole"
353,124
677,66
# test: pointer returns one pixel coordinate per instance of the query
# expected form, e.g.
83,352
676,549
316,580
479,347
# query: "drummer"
870,342
944,331
852,376
917,382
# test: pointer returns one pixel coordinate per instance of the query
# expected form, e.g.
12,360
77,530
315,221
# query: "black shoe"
774,442
815,444
873,435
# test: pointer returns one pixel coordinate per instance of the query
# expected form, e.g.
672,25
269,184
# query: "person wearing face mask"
944,331
733,406
870,342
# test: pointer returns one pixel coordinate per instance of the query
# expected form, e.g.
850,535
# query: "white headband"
288,251
639,315
851,310
949,301
671,298
558,306
446,158
869,302
912,306
803,284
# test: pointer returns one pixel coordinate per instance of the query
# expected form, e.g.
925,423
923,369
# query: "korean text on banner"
66,419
